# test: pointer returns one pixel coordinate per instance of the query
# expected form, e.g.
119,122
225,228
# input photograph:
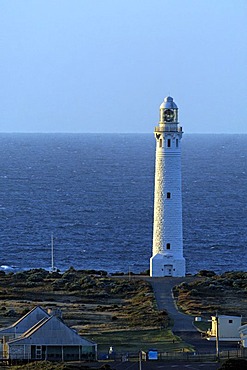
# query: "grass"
202,326
135,340
225,293
112,311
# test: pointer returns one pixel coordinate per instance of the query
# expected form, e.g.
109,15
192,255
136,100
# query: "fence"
161,356
175,356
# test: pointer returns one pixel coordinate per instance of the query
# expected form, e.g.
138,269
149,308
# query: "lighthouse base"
167,265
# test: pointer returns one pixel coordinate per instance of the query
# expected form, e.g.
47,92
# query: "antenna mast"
52,253
53,268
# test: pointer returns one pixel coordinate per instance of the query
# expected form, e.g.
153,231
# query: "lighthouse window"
160,143
177,143
168,195
168,143
168,246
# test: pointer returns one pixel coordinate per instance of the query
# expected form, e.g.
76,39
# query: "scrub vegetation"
208,293
118,311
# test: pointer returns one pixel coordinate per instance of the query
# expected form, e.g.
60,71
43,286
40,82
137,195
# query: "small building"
41,336
228,328
52,340
243,335
24,323
21,326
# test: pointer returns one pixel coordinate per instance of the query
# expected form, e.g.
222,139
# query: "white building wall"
167,258
228,326
19,351
244,342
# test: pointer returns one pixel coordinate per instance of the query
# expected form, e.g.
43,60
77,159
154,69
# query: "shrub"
20,276
69,276
24,312
11,313
234,364
32,284
206,273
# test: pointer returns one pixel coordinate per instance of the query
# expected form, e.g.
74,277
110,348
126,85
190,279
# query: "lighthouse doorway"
167,270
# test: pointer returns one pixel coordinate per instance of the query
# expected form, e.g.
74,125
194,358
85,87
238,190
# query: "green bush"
206,273
37,277
234,364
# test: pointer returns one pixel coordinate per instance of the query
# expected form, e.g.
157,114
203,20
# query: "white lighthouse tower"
167,258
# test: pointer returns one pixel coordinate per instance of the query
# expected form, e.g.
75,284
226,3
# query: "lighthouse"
167,257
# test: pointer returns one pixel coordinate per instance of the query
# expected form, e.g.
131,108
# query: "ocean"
94,192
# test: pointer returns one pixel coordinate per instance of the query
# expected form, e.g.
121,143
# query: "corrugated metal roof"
26,322
51,331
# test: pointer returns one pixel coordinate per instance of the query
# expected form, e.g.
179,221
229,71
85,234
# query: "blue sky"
106,65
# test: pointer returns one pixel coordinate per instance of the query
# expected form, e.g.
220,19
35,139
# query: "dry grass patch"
90,301
208,293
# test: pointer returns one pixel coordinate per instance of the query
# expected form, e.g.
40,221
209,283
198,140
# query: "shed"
51,339
227,328
243,335
21,326
24,323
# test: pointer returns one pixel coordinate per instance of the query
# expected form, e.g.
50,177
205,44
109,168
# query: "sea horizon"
94,192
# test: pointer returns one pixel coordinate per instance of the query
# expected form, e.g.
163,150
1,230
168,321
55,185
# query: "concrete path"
162,288
183,324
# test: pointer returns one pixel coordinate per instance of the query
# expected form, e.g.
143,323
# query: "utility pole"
140,360
217,336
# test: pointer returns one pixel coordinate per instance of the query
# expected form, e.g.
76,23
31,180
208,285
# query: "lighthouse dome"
168,103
